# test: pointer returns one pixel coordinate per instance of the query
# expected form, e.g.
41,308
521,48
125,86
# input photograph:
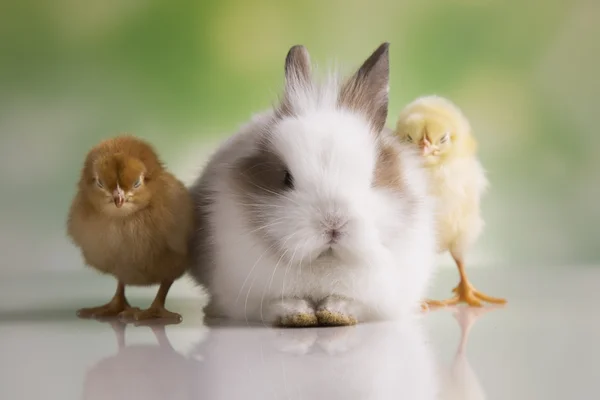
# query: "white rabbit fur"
263,238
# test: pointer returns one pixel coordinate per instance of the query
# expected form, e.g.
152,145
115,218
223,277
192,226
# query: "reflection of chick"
131,219
461,382
444,138
147,372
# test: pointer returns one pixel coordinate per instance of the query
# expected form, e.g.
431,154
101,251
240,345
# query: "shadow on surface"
190,309
38,315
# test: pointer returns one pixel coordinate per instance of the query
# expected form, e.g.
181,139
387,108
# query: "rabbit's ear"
297,67
367,90
297,77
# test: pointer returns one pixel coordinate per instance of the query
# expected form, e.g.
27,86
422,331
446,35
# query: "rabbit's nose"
334,235
334,221
334,226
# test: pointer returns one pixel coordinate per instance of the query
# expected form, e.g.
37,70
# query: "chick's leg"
114,307
157,309
465,292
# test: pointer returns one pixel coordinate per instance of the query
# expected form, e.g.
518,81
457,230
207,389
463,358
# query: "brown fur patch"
389,166
261,174
201,243
367,90
260,177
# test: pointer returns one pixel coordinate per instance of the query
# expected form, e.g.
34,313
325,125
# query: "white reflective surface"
542,345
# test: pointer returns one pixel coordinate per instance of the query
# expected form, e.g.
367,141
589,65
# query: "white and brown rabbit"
312,214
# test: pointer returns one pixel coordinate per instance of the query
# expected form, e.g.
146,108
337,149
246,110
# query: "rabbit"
313,214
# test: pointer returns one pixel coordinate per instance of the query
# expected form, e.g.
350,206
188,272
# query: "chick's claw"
153,313
105,311
482,296
129,313
466,293
101,311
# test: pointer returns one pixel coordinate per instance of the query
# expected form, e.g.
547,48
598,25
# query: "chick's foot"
111,309
155,312
466,293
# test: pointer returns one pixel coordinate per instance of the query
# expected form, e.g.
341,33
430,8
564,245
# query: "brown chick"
131,219
442,134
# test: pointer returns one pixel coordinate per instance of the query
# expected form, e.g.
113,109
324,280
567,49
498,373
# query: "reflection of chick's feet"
111,309
152,313
466,293
336,311
466,317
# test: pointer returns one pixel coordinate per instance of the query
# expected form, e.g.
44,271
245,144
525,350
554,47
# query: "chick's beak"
425,147
118,197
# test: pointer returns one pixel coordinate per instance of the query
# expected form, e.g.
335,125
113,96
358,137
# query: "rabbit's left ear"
297,68
367,90
298,79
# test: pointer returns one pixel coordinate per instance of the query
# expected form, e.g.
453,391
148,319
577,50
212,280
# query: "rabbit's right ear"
297,77
367,90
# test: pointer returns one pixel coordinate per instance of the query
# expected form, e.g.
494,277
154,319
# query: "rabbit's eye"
288,181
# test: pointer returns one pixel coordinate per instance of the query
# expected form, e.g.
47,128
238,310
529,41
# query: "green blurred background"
185,74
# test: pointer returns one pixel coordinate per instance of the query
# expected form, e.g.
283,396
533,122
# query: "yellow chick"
443,136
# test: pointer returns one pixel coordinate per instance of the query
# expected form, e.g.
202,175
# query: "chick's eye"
137,183
288,181
99,183
445,138
409,138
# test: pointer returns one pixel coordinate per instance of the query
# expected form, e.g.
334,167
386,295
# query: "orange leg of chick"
465,292
157,309
114,307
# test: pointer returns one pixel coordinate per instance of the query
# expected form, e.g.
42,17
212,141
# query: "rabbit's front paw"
294,313
336,311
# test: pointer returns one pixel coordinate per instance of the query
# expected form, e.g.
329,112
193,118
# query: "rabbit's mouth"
327,253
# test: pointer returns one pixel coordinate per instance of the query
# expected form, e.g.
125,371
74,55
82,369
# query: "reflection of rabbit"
461,382
141,371
375,361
